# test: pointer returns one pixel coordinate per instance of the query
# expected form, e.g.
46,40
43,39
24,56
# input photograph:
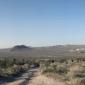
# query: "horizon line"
39,46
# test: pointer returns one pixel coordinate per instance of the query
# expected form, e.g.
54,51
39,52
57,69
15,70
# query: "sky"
41,22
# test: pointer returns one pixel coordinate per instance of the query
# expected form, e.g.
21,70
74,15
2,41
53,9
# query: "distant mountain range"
49,51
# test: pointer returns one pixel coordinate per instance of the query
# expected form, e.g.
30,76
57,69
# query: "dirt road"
17,82
22,80
36,79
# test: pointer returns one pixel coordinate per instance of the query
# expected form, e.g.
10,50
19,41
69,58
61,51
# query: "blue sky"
42,22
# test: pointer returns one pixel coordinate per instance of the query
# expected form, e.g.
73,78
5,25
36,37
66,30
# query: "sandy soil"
43,80
18,82
38,79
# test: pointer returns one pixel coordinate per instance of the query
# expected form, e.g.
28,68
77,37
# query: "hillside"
20,48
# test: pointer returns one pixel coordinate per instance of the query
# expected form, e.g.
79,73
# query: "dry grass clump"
73,73
76,74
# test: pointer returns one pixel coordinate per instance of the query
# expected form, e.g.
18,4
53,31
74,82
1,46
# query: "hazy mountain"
20,48
49,51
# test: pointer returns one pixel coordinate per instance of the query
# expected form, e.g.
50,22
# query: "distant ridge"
20,48
48,51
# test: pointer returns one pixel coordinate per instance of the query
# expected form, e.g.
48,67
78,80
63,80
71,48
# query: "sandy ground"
18,82
43,80
38,79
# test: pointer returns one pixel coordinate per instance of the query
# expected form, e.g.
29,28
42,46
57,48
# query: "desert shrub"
72,72
80,73
49,70
13,66
82,82
61,70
